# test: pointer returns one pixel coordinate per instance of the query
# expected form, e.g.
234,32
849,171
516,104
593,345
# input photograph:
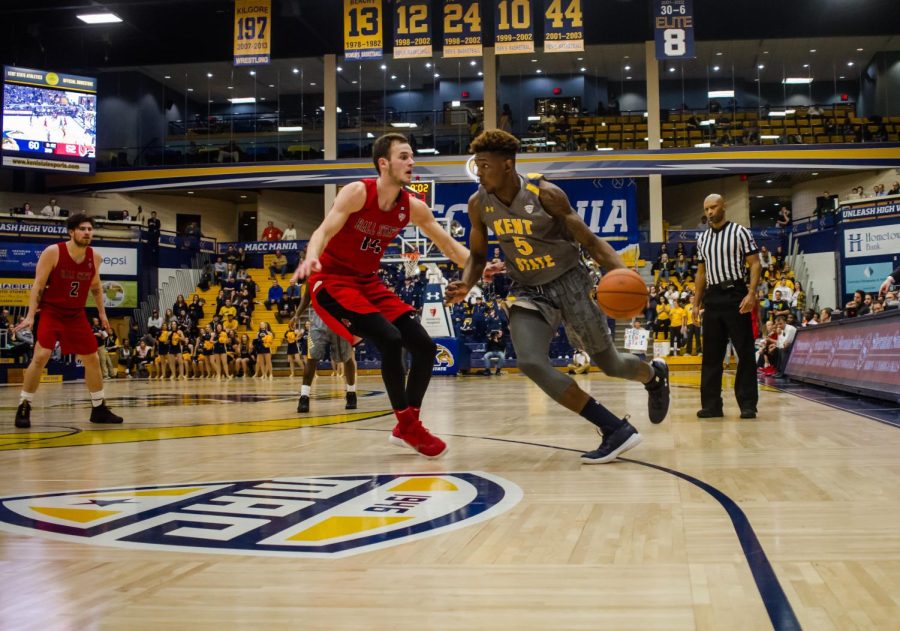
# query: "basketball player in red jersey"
342,261
65,273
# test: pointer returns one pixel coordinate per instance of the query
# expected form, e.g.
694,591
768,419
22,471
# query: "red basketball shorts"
70,328
337,299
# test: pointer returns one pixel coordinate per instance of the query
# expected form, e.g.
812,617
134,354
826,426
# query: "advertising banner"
117,294
118,261
858,354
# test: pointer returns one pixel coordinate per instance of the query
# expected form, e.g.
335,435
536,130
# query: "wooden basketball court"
789,521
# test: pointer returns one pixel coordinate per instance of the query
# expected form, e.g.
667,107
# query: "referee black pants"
723,321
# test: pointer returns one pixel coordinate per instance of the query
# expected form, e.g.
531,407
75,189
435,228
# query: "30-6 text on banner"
673,24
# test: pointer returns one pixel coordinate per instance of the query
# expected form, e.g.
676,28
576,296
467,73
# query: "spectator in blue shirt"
275,294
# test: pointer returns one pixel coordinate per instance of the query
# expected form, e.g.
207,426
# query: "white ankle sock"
26,396
97,398
351,388
304,391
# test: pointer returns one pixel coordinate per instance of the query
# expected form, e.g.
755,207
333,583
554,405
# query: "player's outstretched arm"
556,202
478,246
47,261
97,292
420,214
349,200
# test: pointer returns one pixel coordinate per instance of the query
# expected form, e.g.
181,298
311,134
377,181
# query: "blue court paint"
775,600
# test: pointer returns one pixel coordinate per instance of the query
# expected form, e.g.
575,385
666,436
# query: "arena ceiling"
46,33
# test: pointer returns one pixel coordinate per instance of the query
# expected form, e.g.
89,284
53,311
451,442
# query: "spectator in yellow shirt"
677,317
662,319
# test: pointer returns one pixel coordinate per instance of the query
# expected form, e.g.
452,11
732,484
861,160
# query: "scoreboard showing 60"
674,27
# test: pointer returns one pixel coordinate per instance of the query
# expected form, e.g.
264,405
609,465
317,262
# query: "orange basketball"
622,294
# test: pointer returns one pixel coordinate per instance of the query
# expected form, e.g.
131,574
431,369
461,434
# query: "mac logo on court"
330,516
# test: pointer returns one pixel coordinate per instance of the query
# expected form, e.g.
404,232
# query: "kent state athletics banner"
563,26
673,23
252,32
870,233
412,29
513,27
462,28
363,37
608,206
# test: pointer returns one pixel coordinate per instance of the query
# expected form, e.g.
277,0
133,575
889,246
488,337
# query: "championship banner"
462,28
252,32
563,26
412,29
513,27
362,29
673,23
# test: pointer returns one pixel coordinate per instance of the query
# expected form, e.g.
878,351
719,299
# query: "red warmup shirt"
69,282
271,234
358,246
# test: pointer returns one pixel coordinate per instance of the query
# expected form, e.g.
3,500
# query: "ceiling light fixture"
99,18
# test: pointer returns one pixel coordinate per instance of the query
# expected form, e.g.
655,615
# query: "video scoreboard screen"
49,121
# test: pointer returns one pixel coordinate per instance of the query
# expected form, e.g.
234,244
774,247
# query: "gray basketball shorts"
566,300
321,337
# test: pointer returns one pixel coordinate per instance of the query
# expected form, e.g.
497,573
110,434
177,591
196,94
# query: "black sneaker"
617,443
23,415
748,413
351,401
704,413
102,414
658,389
303,404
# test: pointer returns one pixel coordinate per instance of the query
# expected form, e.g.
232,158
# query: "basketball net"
411,263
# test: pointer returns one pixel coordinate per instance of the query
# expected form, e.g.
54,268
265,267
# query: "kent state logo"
443,356
322,517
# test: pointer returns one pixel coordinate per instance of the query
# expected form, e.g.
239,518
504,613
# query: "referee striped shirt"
724,251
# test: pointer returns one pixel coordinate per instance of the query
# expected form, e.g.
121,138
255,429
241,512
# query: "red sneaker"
416,436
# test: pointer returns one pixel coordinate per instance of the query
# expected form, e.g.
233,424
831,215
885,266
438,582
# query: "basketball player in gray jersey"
541,237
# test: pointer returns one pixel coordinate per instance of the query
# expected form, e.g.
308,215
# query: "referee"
727,302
